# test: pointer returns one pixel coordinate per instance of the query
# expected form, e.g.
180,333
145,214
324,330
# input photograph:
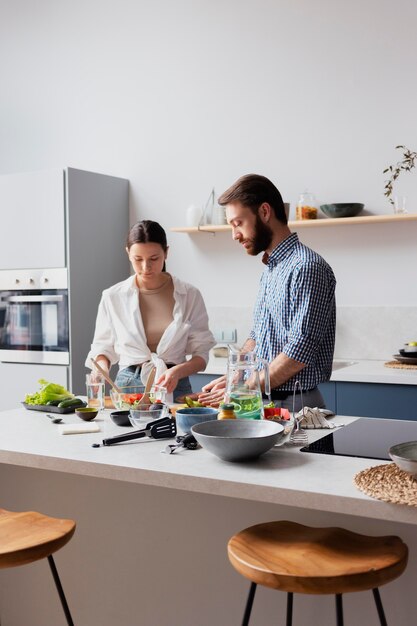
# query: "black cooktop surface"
367,437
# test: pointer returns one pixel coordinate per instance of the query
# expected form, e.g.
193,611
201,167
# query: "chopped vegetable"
192,403
271,412
49,392
131,398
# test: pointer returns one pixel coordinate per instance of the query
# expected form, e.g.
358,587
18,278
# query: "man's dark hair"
252,190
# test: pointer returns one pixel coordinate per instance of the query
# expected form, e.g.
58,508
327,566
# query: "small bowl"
147,413
189,416
408,353
123,400
404,456
87,413
407,349
342,209
120,418
239,439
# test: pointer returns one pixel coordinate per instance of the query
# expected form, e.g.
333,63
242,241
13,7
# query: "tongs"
162,428
182,441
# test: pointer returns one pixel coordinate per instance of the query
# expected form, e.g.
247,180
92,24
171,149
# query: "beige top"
156,308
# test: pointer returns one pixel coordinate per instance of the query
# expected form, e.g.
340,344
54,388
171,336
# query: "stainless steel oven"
34,326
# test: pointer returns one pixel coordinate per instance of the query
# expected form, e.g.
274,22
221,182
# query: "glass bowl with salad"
128,397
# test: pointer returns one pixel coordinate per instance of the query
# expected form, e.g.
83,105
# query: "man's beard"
262,238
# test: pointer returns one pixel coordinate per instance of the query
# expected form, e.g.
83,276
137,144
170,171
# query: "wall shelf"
319,223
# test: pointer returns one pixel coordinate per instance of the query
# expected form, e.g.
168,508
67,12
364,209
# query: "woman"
151,319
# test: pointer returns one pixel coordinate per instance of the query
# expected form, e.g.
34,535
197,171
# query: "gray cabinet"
32,220
70,219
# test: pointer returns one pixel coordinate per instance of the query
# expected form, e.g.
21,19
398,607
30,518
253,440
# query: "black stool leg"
60,590
379,607
290,597
249,603
339,609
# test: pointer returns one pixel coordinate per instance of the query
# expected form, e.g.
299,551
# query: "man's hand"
213,393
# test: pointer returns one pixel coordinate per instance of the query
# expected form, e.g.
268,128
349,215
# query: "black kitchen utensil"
162,428
183,441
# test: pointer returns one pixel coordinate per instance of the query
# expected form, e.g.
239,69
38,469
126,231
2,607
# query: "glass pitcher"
243,388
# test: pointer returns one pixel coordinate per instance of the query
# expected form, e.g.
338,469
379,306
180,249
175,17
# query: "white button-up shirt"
120,335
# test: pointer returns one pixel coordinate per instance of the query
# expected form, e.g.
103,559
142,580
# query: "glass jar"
306,208
226,412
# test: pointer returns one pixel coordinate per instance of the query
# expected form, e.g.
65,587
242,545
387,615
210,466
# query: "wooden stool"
299,559
27,537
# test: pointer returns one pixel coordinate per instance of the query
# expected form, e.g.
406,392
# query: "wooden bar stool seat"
299,559
28,536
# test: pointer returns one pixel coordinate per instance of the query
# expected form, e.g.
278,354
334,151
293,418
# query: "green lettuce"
47,393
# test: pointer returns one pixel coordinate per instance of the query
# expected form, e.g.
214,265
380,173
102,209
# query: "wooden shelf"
340,221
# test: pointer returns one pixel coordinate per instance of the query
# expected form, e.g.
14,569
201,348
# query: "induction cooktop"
367,437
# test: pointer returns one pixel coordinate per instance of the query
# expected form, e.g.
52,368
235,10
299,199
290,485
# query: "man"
295,312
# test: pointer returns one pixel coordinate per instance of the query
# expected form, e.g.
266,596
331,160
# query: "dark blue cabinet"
199,380
371,399
328,391
377,400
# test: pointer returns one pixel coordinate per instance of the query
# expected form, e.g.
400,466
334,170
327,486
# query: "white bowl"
404,456
408,348
237,439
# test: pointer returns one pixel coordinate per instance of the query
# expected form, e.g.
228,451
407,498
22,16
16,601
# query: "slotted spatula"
162,428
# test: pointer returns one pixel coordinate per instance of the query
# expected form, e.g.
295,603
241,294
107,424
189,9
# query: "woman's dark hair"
252,190
147,231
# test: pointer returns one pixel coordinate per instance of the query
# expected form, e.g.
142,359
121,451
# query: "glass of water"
400,204
95,390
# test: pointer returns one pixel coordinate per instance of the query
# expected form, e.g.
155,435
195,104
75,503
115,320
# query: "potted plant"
406,164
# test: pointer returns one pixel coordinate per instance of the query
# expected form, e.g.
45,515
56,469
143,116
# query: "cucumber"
55,402
71,402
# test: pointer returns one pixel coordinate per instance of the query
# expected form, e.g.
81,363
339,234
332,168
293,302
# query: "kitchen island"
150,546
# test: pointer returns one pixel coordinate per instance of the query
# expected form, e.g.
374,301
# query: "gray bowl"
342,209
188,417
404,456
237,439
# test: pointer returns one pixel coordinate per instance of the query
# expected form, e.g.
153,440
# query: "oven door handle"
30,299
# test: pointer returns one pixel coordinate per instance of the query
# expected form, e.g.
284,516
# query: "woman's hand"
169,379
96,375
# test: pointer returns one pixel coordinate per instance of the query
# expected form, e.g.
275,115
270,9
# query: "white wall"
180,96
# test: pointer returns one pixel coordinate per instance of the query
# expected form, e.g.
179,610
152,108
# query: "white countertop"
361,371
283,475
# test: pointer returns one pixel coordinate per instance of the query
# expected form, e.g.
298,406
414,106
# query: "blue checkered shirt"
295,312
